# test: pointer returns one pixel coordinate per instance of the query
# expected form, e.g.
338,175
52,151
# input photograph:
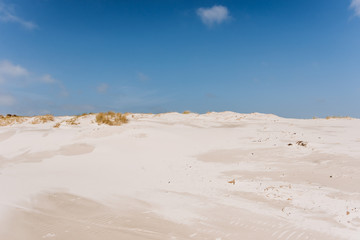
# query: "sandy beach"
173,176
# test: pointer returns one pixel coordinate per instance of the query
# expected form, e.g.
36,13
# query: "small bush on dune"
43,119
10,119
186,112
85,114
301,143
73,121
111,118
335,117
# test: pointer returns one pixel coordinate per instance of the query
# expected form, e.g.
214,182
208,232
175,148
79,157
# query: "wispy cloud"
355,5
48,79
214,15
102,88
10,70
8,15
22,90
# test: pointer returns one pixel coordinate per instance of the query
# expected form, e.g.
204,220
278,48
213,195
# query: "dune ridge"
180,176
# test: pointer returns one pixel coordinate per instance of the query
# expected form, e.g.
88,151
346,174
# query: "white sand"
167,176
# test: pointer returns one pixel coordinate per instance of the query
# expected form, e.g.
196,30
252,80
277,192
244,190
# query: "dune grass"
338,117
57,125
111,118
43,119
186,112
73,121
11,119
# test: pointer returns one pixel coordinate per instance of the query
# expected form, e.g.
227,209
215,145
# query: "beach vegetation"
111,118
338,117
57,125
10,119
73,121
43,119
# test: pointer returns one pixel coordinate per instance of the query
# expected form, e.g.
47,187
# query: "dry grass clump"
10,119
337,117
186,112
301,143
111,118
43,119
85,114
232,181
73,121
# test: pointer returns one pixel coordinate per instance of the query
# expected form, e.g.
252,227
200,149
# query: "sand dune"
181,176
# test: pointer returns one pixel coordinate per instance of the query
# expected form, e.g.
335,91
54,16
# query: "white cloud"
27,92
15,77
6,100
214,15
9,69
47,78
7,15
102,88
355,4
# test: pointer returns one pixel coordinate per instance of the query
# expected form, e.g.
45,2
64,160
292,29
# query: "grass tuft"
301,143
73,121
338,117
186,112
43,119
10,119
111,118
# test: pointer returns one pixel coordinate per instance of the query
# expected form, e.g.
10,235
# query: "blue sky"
298,58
